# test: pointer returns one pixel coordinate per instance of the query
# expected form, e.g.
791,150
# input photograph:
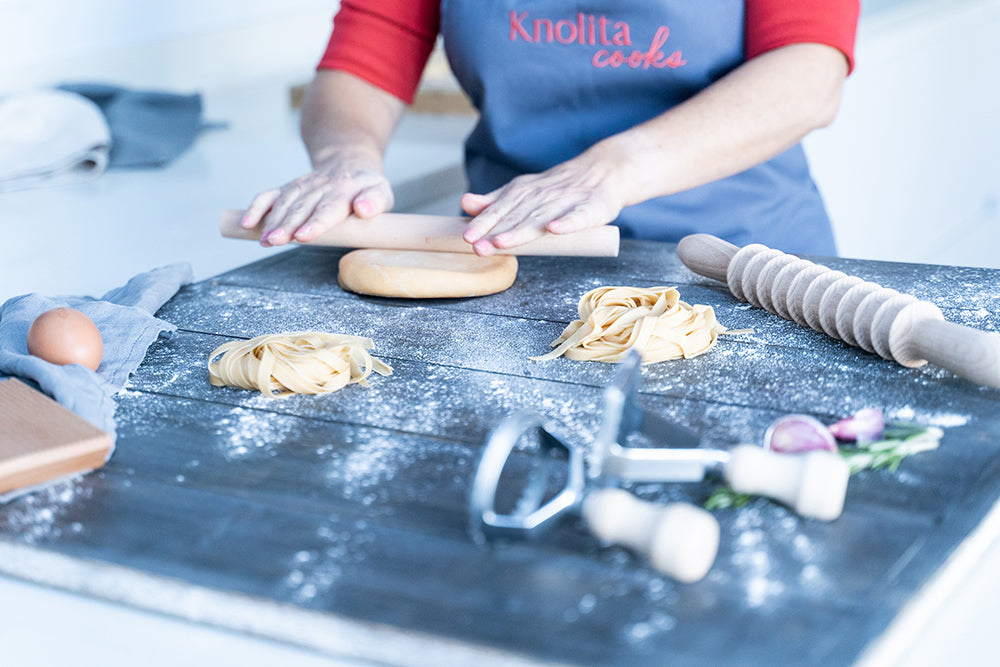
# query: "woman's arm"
758,110
346,125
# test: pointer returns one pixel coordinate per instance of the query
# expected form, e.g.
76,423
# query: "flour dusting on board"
656,623
246,432
313,572
366,462
940,419
760,545
41,516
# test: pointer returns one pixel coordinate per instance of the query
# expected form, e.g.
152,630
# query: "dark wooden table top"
340,522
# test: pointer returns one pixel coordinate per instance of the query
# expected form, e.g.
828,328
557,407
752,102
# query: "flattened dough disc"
416,274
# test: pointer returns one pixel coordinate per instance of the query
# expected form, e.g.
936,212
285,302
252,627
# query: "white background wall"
910,169
48,29
188,43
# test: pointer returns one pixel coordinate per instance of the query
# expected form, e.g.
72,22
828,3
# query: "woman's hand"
346,125
311,204
575,195
763,107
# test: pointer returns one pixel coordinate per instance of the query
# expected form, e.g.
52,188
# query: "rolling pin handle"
706,255
434,233
679,539
814,483
969,353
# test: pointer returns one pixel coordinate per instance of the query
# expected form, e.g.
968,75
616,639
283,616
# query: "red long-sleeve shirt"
387,43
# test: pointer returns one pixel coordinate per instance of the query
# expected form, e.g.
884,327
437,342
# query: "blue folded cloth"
149,128
125,318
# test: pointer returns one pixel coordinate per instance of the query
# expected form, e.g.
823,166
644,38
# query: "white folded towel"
50,137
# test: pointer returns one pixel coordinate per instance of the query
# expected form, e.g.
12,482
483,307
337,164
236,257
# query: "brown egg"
66,336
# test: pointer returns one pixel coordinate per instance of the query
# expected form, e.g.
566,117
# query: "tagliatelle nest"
305,362
653,321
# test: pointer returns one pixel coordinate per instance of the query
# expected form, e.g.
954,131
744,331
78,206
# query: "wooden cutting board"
40,440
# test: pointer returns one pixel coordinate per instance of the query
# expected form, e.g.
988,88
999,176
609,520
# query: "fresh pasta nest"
653,321
305,362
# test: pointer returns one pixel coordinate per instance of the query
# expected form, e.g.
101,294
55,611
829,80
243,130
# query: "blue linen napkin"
125,318
149,128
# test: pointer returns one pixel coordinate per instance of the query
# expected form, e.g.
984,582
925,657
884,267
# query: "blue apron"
552,78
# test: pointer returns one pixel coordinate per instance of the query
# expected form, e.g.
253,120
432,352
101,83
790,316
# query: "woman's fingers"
290,205
306,207
374,200
506,224
523,223
474,204
569,197
258,208
328,212
577,220
295,216
486,214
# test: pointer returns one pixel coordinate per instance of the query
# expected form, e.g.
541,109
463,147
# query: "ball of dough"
417,274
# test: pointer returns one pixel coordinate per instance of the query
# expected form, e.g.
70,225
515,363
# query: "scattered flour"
245,432
941,419
312,573
41,516
366,461
656,623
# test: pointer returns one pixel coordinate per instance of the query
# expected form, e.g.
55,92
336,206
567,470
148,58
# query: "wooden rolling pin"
896,326
401,231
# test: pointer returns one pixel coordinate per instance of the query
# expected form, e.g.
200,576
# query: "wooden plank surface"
353,506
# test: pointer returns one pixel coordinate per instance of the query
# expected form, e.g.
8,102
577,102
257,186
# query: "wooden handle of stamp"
814,484
969,353
706,255
402,231
679,539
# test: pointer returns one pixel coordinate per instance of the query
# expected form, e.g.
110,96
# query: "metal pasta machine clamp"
679,539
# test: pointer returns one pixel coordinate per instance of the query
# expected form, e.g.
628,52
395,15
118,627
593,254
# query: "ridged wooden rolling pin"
896,326
435,233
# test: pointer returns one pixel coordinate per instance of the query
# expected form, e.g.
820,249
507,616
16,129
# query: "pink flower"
866,425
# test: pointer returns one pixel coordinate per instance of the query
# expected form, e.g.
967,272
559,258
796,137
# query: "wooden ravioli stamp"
41,441
864,314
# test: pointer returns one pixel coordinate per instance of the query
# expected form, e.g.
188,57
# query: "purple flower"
866,425
798,433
